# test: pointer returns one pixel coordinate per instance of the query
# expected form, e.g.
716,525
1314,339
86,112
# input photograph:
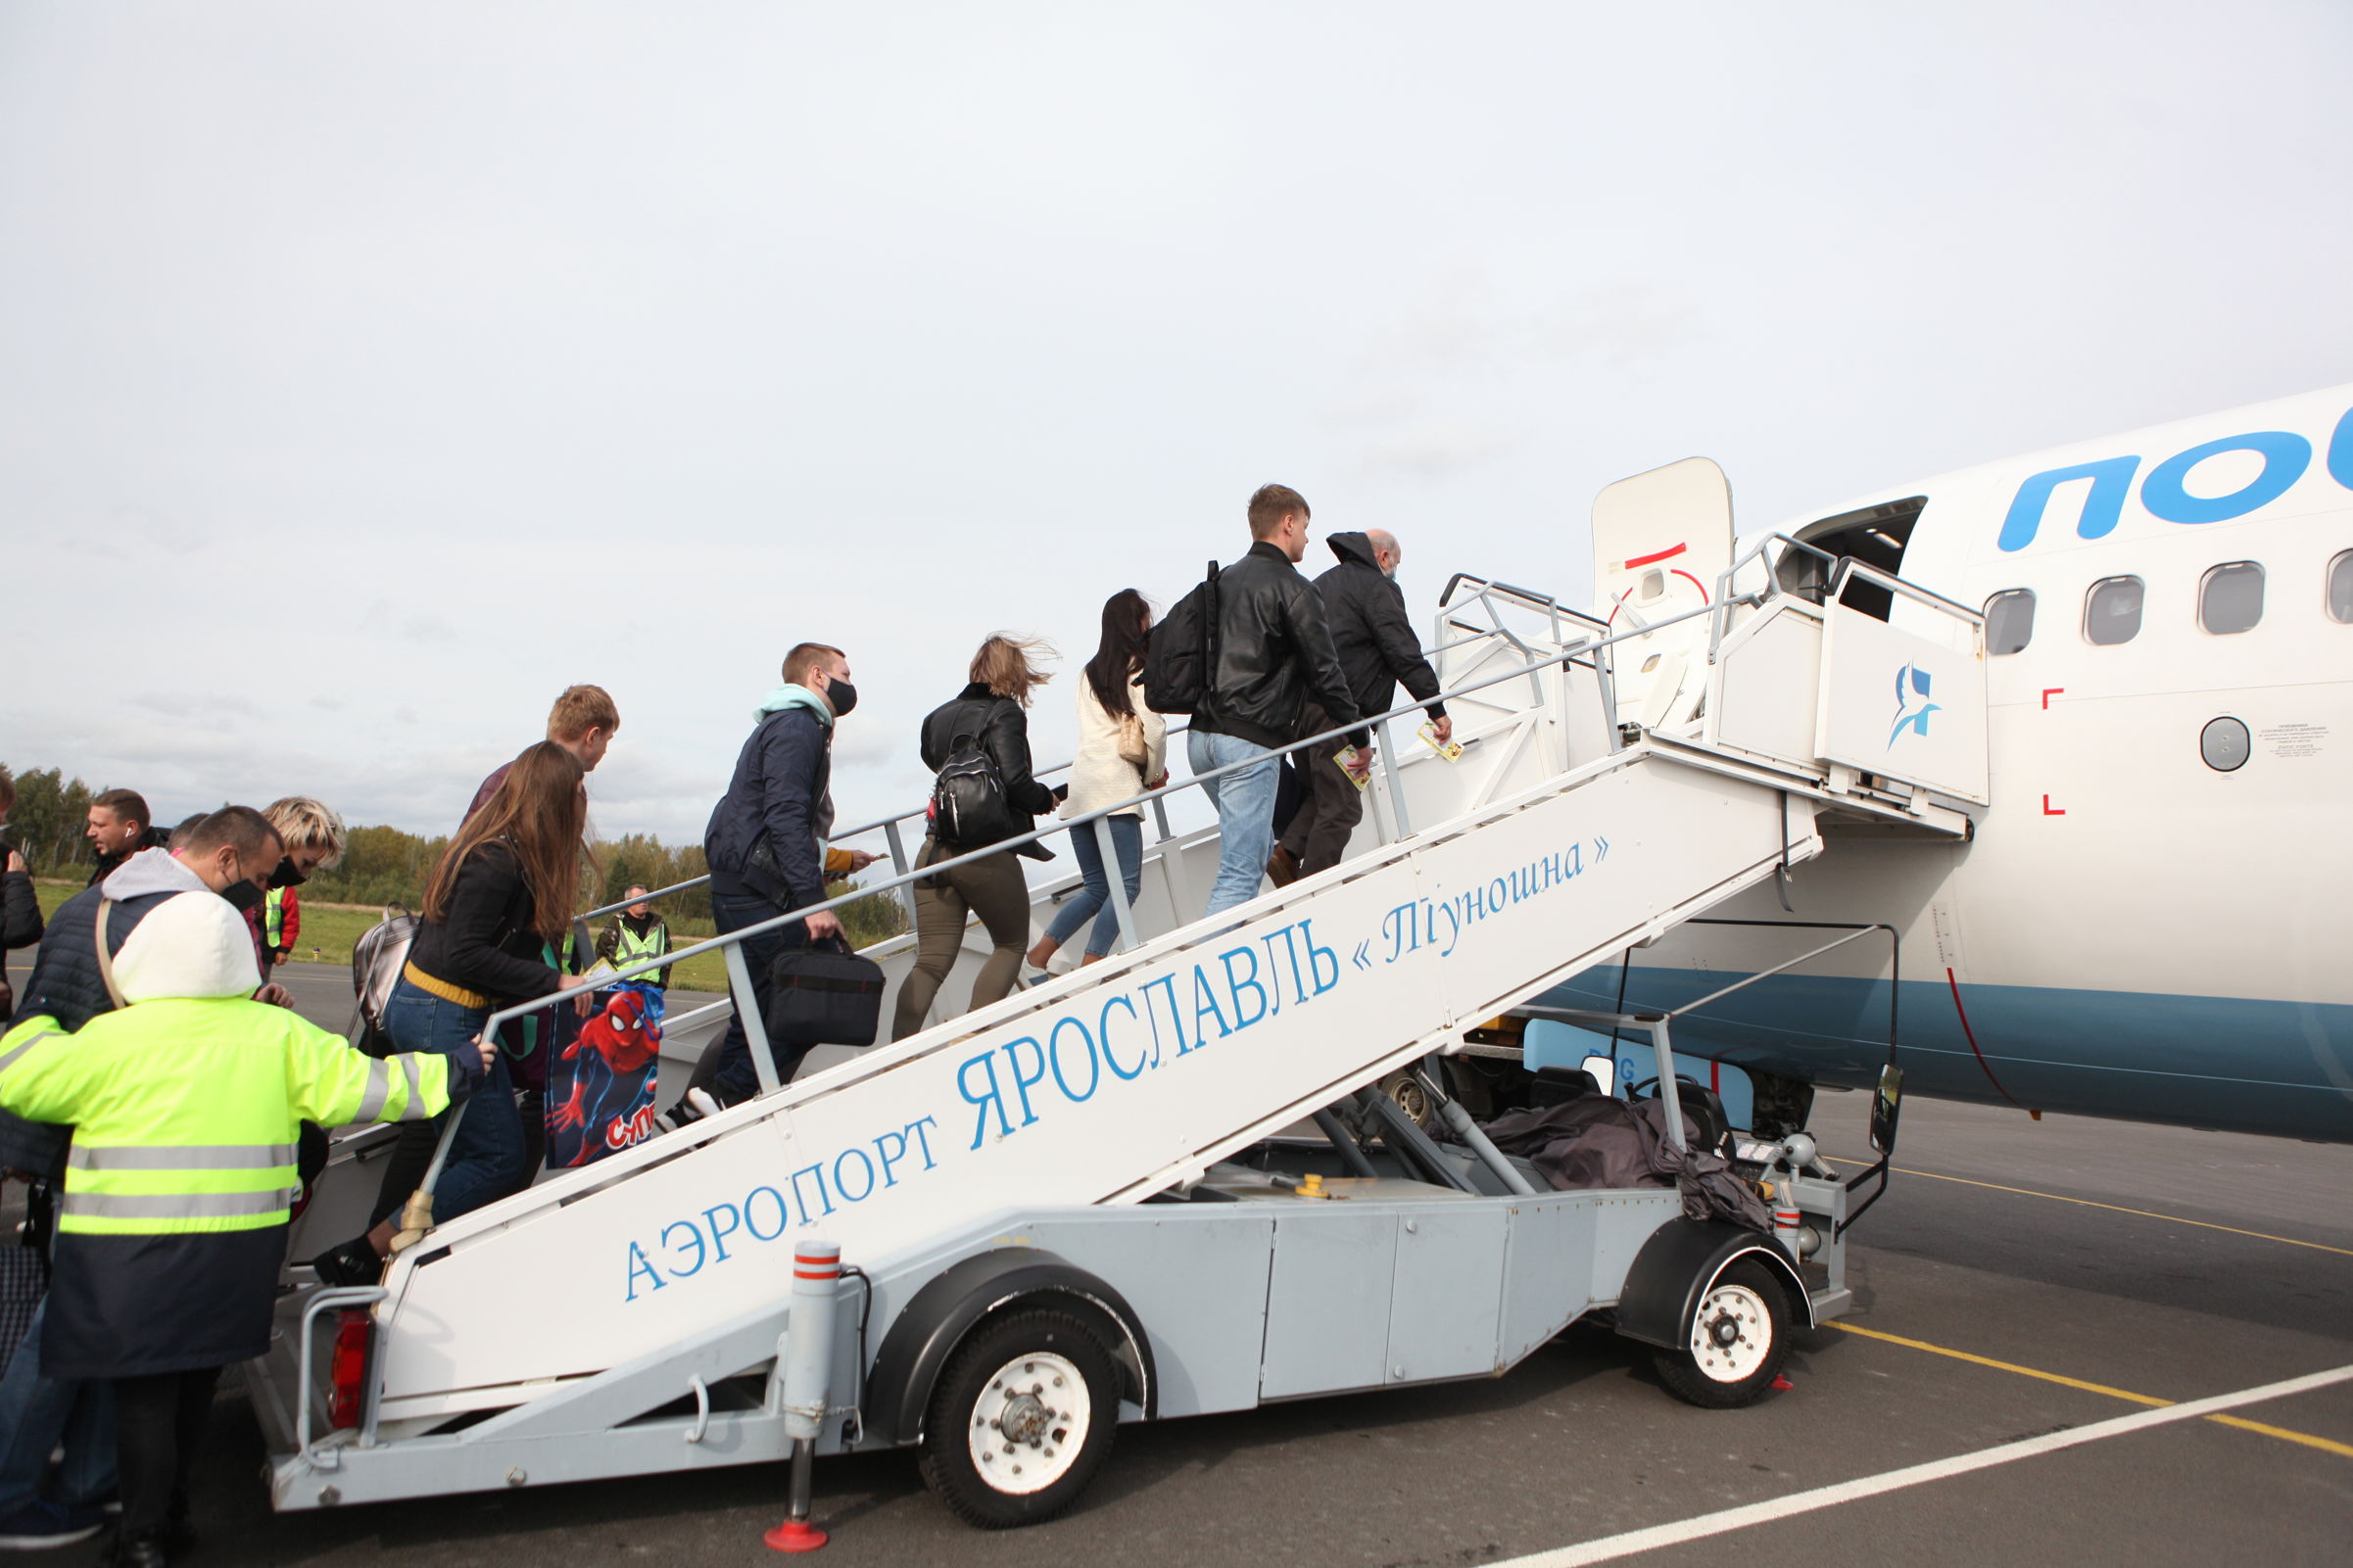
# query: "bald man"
1377,651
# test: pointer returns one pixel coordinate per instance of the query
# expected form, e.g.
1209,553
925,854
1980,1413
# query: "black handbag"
823,995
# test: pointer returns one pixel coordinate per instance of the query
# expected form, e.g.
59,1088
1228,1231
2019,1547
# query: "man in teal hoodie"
766,843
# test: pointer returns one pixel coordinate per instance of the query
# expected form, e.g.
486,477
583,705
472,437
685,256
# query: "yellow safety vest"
629,948
185,1112
273,915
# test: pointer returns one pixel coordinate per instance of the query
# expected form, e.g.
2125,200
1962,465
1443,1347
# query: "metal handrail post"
1384,757
1116,881
748,1013
1669,1094
899,868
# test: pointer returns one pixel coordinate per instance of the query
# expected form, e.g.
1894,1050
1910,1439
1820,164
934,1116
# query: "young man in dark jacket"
1274,652
1374,641
120,826
766,845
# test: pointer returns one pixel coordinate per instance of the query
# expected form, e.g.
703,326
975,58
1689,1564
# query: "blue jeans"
737,1079
487,1159
35,1413
1245,802
1127,842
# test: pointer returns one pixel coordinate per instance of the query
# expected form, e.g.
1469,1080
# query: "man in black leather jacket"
1378,649
1274,651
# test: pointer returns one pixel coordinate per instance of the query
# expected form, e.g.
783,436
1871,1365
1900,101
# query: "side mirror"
1887,1104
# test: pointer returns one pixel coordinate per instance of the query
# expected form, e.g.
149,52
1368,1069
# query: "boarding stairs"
1622,772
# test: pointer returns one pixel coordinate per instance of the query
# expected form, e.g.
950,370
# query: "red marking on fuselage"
1653,560
2049,810
2049,692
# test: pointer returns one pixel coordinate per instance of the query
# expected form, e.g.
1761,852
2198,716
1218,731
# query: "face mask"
242,894
288,874
842,696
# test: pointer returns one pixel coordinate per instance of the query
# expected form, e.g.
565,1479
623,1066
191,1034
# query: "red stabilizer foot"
794,1535
1781,1384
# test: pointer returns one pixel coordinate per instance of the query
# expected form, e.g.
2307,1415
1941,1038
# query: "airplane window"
2009,620
2232,600
2112,611
2340,587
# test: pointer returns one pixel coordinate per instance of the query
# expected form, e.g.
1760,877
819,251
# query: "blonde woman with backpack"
979,748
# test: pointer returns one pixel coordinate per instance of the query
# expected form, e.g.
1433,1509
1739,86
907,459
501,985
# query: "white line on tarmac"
1611,1548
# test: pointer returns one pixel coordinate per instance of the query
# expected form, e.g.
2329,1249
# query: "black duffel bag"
824,995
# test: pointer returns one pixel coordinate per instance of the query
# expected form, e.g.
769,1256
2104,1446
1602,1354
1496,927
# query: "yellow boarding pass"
1346,757
1448,749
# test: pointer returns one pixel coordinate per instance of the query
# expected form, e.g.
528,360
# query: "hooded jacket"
1273,652
1370,634
66,983
186,1106
766,834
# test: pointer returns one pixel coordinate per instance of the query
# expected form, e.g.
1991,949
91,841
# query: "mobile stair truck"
1081,1205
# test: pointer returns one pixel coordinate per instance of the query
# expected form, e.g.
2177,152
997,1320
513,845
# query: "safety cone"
1781,1384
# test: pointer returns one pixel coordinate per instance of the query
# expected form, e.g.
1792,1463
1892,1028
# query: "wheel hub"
1029,1423
1730,1335
1025,1419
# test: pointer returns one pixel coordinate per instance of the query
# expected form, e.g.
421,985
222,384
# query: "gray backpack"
377,958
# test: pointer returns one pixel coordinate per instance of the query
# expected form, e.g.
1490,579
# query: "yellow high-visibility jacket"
185,1112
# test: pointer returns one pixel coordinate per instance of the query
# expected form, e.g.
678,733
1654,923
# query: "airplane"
2149,920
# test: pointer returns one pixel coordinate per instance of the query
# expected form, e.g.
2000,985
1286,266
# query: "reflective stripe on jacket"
185,1112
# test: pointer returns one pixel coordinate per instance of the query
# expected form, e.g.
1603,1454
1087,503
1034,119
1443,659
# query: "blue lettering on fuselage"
2285,457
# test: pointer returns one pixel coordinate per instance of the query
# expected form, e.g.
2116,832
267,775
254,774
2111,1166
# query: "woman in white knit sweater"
1123,748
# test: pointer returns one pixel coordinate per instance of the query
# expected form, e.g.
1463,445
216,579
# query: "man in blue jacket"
766,842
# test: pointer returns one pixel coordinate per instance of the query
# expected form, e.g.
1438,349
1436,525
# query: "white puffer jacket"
1098,776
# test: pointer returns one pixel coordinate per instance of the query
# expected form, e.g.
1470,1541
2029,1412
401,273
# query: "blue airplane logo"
1911,686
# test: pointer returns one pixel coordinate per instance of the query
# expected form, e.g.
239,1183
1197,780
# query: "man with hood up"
1374,641
185,1100
767,851
227,856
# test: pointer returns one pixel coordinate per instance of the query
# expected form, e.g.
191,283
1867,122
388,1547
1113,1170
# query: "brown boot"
1282,867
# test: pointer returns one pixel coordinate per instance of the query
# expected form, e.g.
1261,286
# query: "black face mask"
242,894
288,874
842,696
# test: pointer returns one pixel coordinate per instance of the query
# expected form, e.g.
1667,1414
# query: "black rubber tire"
1688,1381
946,1459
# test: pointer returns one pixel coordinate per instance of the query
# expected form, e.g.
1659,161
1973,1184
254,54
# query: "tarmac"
2035,1304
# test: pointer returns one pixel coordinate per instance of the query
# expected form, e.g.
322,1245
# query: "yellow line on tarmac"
2119,1208
2284,1434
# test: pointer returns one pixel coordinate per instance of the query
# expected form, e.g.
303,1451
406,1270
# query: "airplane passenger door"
1661,541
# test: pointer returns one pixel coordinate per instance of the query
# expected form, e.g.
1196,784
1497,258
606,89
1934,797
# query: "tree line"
389,866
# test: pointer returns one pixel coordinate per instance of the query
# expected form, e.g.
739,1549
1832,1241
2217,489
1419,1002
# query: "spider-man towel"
600,1085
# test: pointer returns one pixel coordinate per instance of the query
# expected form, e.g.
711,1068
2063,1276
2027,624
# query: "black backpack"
1185,650
968,807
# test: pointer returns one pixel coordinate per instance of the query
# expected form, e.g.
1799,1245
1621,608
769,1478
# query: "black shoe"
355,1262
146,1549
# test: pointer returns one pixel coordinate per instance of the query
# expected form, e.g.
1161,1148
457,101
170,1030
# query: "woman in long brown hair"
500,893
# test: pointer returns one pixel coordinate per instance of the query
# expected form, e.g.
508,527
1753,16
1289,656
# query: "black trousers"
1317,834
158,1423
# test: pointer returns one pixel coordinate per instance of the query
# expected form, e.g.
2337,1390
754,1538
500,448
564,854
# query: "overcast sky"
367,373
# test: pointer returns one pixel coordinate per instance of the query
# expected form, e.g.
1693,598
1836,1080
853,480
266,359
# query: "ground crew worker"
638,936
185,1104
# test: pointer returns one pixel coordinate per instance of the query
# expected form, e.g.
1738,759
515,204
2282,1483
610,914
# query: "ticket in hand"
1449,750
1346,757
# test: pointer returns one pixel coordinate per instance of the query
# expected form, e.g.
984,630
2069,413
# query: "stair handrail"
730,942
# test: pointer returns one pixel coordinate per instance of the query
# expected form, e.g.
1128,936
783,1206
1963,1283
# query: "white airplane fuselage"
2150,920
